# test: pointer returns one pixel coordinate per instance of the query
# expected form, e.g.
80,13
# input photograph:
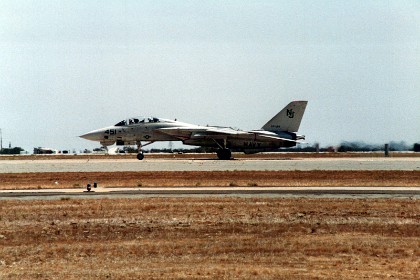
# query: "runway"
359,192
133,165
115,165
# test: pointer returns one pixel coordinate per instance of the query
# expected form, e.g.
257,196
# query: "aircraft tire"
140,156
224,154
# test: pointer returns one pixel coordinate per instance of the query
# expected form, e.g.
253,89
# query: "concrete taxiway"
413,192
114,165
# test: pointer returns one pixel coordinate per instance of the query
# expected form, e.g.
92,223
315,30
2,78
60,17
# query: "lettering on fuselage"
250,144
111,132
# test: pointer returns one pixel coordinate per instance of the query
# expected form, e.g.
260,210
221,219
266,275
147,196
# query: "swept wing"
185,133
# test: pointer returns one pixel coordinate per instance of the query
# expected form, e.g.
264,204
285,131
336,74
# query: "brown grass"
209,178
210,238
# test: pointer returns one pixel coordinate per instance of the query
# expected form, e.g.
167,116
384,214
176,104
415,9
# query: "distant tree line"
358,146
133,150
197,150
363,147
346,146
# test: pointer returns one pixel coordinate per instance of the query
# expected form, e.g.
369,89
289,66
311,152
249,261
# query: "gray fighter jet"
280,131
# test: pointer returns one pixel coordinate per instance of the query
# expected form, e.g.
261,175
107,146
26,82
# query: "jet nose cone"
95,135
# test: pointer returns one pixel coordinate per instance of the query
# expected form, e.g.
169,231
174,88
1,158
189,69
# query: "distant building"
45,151
11,151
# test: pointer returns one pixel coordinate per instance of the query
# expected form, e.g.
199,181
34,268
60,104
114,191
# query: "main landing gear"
224,154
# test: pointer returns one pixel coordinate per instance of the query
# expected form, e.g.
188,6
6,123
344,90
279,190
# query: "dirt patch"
216,238
209,178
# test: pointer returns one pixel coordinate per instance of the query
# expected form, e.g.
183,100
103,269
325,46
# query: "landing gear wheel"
224,154
140,156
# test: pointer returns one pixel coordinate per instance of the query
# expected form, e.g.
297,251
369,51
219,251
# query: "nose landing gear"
140,155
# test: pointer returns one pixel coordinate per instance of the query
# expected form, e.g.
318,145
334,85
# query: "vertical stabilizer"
288,119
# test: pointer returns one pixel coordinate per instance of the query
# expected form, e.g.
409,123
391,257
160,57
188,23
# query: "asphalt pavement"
114,165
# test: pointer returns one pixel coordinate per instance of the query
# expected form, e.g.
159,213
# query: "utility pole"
1,141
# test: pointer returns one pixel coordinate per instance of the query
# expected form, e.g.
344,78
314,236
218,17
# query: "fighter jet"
280,131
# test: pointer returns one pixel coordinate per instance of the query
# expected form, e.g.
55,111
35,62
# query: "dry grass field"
210,238
209,178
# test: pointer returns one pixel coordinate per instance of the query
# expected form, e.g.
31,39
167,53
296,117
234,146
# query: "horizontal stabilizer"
279,138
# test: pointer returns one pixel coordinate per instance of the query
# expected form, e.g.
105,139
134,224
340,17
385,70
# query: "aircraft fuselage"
279,132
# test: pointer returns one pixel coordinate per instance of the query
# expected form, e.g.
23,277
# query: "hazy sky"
68,67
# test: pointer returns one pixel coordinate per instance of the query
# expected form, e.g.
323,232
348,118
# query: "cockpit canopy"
138,120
